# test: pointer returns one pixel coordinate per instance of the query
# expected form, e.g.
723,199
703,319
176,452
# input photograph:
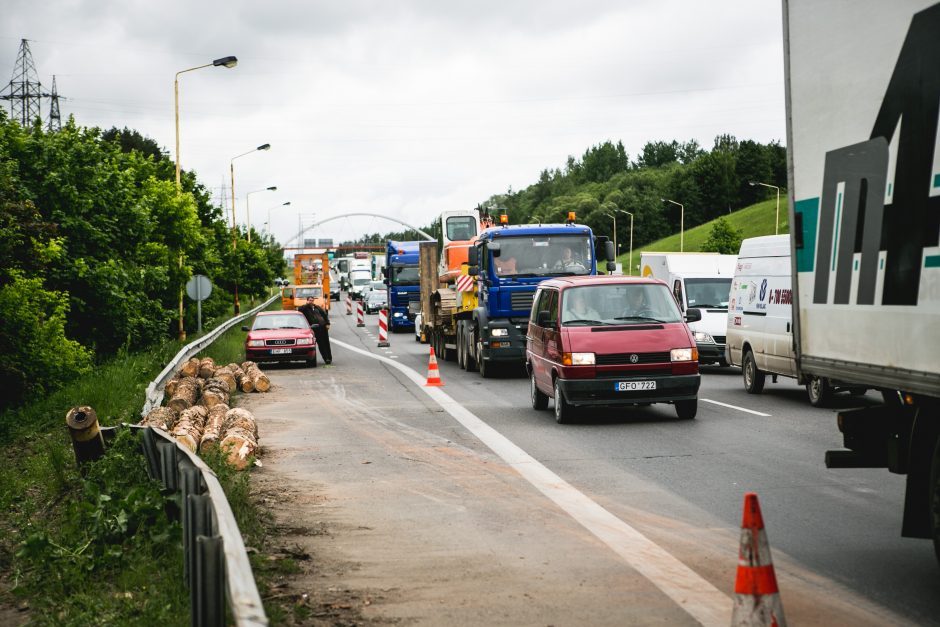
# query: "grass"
752,221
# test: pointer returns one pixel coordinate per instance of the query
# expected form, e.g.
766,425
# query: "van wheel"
753,378
539,398
564,412
686,410
819,391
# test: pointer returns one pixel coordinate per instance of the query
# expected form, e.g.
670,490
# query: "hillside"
752,221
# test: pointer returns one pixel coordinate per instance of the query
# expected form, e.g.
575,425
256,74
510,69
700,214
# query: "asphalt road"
835,534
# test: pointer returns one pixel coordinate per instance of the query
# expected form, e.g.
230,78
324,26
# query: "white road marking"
750,411
703,601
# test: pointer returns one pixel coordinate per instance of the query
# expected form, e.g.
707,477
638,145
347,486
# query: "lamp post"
681,223
228,62
777,219
234,226
273,188
283,204
631,238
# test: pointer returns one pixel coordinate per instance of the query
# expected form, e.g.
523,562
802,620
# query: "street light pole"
285,204
777,218
273,188
681,223
234,225
631,238
228,62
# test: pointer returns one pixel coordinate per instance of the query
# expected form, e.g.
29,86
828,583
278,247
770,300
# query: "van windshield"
710,292
595,305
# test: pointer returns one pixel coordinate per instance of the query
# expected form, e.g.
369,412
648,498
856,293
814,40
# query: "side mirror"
542,318
473,270
385,270
611,266
473,257
609,252
693,315
495,248
245,329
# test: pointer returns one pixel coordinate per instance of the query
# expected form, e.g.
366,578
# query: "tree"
723,239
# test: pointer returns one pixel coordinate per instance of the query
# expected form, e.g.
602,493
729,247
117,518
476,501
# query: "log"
207,368
215,393
190,368
238,418
160,418
226,374
242,381
240,439
186,394
189,427
170,388
213,430
259,380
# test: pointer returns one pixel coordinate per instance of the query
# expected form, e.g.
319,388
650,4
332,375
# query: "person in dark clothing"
317,315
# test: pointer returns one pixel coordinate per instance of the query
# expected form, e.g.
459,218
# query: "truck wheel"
468,351
539,398
819,391
686,410
461,353
753,378
564,412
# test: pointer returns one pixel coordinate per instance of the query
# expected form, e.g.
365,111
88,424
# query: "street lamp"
234,226
273,188
777,219
681,223
631,238
283,204
228,62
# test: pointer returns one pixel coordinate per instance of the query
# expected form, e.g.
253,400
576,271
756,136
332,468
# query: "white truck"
700,281
863,96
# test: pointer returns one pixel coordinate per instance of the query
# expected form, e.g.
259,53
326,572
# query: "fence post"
168,461
149,445
191,485
209,603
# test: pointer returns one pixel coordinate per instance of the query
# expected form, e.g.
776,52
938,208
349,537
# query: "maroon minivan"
610,340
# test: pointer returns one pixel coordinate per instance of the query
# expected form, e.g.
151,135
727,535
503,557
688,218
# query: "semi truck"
311,279
401,277
862,83
698,281
477,311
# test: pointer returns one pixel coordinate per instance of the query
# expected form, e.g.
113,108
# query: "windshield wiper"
709,306
585,321
646,318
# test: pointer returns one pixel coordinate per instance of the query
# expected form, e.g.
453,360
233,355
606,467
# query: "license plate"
280,351
630,386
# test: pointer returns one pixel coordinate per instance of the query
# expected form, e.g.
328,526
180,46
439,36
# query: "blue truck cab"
401,276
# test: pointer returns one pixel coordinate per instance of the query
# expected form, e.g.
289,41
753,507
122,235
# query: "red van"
610,340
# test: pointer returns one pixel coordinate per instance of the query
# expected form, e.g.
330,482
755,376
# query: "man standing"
319,319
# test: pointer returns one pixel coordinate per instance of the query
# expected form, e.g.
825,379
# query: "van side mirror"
473,257
542,318
693,315
609,253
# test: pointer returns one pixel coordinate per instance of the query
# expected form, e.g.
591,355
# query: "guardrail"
214,558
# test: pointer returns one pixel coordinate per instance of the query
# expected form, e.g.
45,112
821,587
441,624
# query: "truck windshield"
596,305
544,255
308,292
405,275
710,292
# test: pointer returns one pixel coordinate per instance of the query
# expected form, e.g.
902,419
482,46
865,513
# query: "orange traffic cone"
756,596
434,375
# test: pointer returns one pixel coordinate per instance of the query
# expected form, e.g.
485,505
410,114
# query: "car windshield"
596,305
362,281
405,275
308,292
378,285
377,296
280,321
711,292
544,255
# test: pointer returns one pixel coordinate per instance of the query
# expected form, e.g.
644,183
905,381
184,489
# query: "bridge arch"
300,235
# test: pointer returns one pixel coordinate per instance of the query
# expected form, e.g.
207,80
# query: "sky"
403,108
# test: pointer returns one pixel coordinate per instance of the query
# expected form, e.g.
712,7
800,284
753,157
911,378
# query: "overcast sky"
404,108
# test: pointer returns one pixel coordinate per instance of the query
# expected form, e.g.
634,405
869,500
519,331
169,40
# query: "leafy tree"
723,238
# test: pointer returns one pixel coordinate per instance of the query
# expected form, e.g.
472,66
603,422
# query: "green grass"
753,221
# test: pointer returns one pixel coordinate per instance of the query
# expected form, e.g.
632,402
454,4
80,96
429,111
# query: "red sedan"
280,336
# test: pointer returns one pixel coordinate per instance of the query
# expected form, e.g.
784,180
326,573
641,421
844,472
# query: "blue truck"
401,277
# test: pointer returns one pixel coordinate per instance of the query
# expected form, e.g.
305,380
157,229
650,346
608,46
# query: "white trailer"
701,281
863,96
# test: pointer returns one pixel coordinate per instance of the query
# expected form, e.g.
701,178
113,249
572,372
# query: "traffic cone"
434,375
756,596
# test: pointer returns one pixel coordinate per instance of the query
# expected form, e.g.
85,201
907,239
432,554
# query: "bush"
724,239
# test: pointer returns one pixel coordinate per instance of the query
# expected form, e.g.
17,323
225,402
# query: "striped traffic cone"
756,596
360,315
434,375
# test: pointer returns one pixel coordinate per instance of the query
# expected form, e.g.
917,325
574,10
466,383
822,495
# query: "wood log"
239,445
207,368
215,422
190,368
259,380
188,429
238,418
225,373
170,388
215,393
186,394
242,381
160,418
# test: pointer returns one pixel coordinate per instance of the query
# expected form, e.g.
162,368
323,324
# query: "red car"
281,336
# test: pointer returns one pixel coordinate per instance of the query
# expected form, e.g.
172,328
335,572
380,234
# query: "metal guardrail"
214,558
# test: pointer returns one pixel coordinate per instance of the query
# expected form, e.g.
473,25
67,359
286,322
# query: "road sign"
198,288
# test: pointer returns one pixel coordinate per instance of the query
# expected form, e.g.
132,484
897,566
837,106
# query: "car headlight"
701,336
499,332
305,341
255,342
577,359
683,354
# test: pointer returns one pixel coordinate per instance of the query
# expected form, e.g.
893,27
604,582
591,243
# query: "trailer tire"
753,378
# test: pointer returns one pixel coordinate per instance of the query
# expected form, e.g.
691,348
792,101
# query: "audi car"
280,336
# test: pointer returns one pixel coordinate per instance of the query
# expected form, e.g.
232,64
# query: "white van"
760,319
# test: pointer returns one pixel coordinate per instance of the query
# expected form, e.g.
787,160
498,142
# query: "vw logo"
634,358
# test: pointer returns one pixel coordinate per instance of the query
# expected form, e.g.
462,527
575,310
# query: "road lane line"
750,411
703,601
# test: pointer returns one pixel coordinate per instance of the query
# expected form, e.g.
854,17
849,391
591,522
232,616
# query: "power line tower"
55,118
24,91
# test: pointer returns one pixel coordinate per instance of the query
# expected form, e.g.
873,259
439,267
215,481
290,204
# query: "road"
436,513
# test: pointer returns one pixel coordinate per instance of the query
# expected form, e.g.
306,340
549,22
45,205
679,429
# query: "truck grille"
280,342
613,359
521,300
719,339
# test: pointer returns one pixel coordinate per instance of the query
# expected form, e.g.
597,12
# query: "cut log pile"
198,412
